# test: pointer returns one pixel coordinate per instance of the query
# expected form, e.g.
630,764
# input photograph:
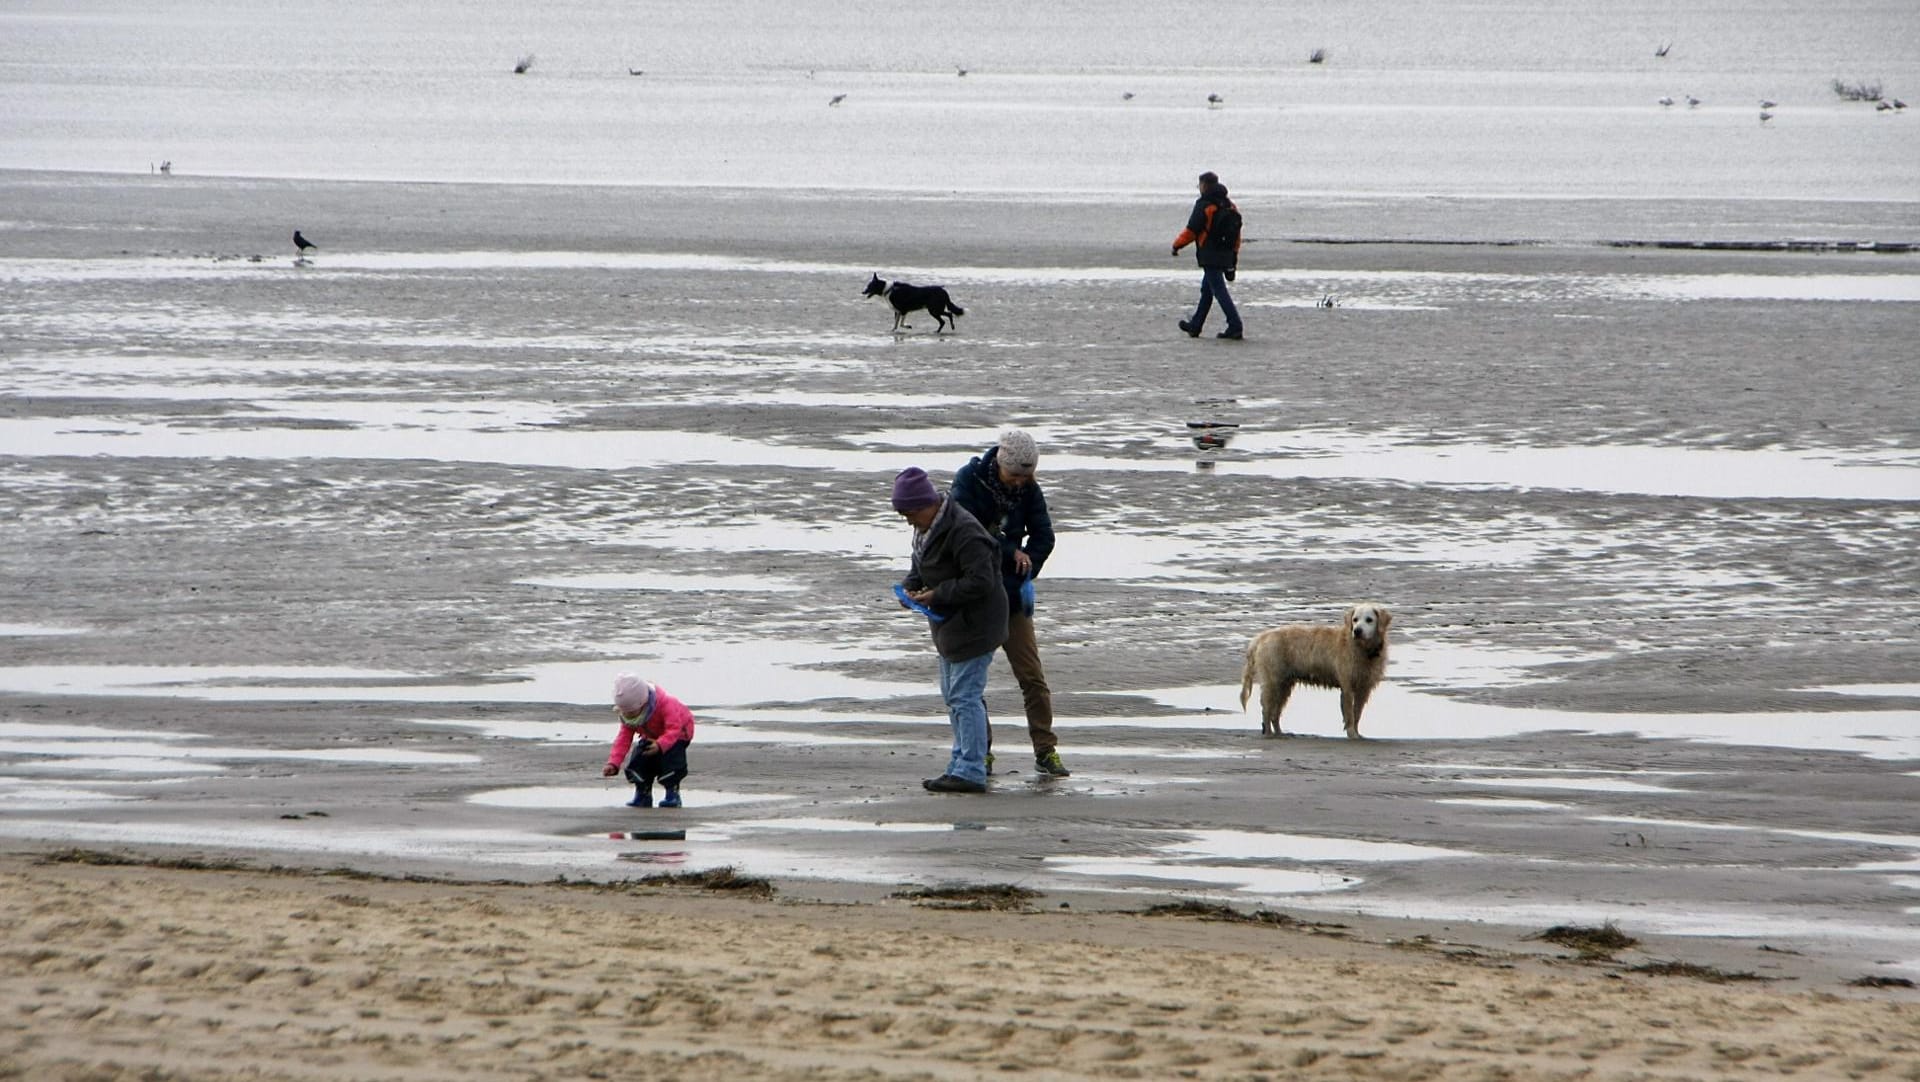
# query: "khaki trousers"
1023,655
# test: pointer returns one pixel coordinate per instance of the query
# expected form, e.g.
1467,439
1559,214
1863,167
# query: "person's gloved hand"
1229,274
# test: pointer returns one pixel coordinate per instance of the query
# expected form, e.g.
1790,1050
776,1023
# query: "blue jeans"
1213,286
963,684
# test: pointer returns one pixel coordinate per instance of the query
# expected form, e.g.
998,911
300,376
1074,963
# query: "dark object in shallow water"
1211,435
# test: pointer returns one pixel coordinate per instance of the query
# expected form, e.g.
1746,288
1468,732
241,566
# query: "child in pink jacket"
655,729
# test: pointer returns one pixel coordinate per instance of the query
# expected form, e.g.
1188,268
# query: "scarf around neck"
1003,497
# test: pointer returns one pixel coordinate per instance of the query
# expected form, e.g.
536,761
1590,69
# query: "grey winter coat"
960,561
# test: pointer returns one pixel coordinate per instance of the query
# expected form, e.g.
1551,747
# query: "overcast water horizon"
1523,100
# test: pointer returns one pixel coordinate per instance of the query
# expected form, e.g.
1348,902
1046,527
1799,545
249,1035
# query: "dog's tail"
1246,677
955,310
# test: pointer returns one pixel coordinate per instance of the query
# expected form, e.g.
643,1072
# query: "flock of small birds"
1214,101
1767,105
1317,56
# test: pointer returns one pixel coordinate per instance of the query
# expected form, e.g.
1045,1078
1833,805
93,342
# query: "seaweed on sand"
1710,974
970,896
1591,942
727,878
1216,911
1876,981
103,858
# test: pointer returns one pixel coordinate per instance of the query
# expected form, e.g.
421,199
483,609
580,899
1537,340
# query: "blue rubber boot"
672,797
643,796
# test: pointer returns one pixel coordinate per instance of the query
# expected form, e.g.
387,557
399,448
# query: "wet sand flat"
333,565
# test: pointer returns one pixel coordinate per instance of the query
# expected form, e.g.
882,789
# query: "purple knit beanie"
913,490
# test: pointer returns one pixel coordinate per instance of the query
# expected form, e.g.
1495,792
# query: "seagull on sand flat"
1692,102
1215,101
1666,100
836,99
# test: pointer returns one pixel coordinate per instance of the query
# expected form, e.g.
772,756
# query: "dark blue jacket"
1027,524
1200,227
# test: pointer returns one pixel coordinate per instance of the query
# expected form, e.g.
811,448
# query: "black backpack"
1224,233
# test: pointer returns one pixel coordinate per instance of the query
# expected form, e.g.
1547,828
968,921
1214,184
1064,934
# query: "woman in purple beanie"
956,574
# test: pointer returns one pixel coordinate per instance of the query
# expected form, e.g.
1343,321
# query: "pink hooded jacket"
669,723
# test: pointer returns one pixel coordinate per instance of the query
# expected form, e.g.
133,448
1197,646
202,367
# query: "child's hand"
649,748
609,770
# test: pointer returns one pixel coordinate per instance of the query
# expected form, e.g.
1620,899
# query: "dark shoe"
1050,764
672,799
1230,332
642,797
1192,329
947,783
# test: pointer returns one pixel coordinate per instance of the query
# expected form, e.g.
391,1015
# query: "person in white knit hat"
999,488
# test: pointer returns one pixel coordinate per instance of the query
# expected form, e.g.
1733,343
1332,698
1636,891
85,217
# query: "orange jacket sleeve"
1188,236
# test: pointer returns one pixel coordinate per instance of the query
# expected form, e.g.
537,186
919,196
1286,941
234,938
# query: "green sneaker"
1050,764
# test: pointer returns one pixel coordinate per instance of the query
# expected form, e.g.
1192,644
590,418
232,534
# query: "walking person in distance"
1213,228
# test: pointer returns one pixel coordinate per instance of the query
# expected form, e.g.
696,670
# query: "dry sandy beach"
140,973
328,569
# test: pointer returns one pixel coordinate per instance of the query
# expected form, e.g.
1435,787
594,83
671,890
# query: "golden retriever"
1351,657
